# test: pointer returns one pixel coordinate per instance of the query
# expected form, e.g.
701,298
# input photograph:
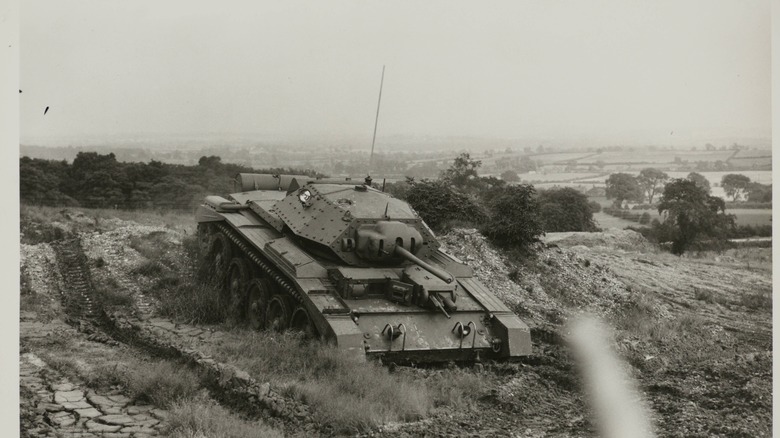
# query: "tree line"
624,188
509,214
100,181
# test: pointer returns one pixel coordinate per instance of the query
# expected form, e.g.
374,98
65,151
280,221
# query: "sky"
576,72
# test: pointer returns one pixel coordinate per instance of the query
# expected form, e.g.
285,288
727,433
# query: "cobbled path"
65,409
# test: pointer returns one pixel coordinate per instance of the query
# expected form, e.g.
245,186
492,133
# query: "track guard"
514,334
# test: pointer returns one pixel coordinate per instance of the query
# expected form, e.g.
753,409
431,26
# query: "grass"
184,294
639,319
200,418
757,300
97,218
346,396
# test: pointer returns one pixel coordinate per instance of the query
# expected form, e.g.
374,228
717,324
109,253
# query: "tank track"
260,262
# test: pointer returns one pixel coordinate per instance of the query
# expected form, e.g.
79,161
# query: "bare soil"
694,332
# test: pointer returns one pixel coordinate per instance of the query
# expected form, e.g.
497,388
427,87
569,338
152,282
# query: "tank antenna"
376,122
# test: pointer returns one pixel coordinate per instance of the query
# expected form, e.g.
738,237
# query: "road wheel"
236,281
219,255
300,321
258,295
278,313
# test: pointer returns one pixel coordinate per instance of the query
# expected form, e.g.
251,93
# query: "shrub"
645,218
437,203
514,217
595,207
565,209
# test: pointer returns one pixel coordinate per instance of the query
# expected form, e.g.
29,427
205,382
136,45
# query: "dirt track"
716,381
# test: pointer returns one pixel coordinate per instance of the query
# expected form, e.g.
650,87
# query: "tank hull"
351,306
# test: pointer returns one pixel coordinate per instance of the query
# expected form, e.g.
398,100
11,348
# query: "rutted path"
230,385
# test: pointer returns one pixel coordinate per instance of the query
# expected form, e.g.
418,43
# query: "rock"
95,427
81,404
50,407
117,419
138,409
99,400
137,430
63,387
60,419
88,413
264,389
68,396
159,414
119,399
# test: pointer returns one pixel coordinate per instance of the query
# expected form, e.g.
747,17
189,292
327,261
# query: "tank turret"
356,223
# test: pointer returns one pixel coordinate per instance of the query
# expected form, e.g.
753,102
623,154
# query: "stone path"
64,409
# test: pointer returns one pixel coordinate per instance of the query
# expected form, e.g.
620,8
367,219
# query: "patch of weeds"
153,246
457,388
705,295
160,383
163,383
201,417
514,275
190,302
757,300
34,233
112,294
348,397
149,268
106,376
29,300
115,297
638,318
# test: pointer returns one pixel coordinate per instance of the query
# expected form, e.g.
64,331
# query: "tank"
353,266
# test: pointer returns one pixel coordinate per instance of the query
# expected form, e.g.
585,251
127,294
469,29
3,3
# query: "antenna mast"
376,122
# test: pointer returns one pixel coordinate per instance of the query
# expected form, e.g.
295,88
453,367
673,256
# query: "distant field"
752,217
658,156
745,216
760,176
764,162
605,221
552,158
754,153
556,176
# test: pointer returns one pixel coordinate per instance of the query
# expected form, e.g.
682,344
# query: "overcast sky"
631,72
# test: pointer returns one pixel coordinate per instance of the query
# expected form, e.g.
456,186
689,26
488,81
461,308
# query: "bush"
514,217
437,203
565,209
595,207
645,218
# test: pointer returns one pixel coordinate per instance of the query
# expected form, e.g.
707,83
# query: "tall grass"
347,396
200,418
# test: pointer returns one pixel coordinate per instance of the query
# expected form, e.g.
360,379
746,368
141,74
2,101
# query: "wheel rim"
237,276
301,322
258,293
277,314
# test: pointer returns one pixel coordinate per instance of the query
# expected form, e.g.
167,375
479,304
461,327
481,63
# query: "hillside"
115,338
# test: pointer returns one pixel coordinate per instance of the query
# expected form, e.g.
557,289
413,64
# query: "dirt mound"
627,240
545,288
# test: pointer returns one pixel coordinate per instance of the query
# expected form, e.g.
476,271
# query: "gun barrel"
441,273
